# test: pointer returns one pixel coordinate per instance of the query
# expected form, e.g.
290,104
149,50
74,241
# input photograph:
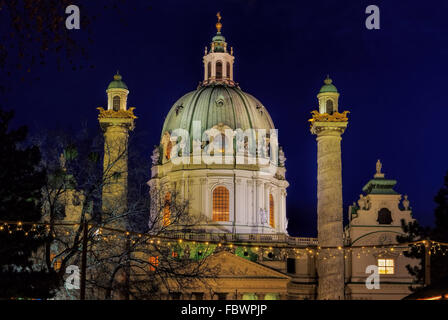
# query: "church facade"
220,153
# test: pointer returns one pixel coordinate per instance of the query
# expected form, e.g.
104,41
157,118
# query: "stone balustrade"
242,237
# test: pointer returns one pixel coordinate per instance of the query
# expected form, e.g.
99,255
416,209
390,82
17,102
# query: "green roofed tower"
117,83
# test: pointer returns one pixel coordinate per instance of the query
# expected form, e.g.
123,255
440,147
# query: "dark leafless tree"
138,264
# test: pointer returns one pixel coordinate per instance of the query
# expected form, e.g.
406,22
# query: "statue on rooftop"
406,202
155,156
379,165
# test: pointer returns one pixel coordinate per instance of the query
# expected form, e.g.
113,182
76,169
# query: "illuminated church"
232,196
219,151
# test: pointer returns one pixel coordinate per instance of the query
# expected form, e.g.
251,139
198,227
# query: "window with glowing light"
169,147
166,219
249,296
386,266
271,211
271,296
220,204
56,263
220,143
153,263
116,103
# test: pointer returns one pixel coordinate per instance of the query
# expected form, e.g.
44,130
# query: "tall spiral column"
328,125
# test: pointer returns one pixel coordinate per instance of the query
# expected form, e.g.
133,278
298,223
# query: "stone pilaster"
283,211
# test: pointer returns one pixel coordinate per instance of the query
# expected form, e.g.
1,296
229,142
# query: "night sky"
393,81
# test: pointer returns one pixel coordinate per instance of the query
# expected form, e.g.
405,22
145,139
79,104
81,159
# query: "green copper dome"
219,43
117,83
217,104
328,86
219,38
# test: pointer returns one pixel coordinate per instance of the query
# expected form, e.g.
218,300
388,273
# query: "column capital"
328,128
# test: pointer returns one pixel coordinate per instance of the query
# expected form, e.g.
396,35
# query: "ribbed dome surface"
218,104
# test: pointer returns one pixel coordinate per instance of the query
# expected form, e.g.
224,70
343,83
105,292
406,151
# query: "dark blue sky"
393,81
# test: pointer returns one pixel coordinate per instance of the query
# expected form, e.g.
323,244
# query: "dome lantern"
117,94
328,97
218,62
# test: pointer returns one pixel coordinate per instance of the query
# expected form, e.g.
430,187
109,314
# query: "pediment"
232,266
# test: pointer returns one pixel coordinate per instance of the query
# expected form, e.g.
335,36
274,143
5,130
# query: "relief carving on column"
330,233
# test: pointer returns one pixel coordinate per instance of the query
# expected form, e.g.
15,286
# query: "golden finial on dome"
328,80
219,24
117,76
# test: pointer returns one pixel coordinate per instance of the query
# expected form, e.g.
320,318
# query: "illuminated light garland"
434,247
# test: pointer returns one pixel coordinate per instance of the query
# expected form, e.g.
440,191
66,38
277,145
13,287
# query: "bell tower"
328,97
329,125
218,62
116,122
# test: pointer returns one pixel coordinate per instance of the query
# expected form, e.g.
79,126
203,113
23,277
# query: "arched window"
166,219
209,70
116,103
228,70
220,143
329,106
169,146
271,211
220,204
384,216
219,70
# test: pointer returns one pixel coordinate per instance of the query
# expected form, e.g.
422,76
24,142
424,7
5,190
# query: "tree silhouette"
20,194
415,232
34,32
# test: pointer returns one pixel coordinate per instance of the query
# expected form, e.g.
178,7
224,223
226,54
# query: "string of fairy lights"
102,233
